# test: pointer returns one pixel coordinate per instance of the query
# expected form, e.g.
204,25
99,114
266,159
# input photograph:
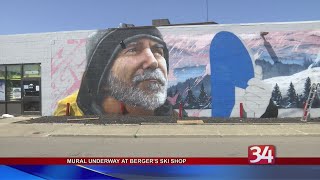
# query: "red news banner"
257,155
152,161
128,161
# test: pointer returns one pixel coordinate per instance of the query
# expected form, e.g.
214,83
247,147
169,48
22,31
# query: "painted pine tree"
179,99
170,93
190,101
292,95
307,87
276,95
203,97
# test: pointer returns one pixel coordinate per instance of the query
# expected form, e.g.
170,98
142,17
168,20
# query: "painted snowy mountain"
298,80
188,49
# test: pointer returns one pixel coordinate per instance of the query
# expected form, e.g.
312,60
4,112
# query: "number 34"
262,154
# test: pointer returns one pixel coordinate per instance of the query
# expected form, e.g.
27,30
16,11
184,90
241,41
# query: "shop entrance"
31,100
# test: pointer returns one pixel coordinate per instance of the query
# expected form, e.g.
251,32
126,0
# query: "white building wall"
36,48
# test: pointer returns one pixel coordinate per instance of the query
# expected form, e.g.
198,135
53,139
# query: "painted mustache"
150,75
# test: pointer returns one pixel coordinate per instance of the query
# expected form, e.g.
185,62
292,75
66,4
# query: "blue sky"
33,16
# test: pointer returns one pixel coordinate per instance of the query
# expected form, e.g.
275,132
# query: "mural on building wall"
144,71
209,70
126,73
289,63
67,66
189,74
232,68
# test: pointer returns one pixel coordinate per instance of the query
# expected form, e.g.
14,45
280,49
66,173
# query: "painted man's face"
139,75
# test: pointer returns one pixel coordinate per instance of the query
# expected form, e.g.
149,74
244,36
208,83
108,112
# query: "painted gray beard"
134,96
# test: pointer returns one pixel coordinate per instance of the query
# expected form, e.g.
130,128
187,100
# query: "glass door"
31,88
31,96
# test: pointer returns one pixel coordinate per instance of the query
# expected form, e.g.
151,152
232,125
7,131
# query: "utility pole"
207,10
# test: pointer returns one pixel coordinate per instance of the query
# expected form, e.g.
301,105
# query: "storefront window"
13,82
31,70
2,83
14,72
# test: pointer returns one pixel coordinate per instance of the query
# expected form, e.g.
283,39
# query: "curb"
223,124
105,136
184,136
221,136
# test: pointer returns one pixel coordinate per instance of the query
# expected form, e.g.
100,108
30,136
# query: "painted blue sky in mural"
33,16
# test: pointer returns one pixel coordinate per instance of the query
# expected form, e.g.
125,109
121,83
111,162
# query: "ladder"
314,90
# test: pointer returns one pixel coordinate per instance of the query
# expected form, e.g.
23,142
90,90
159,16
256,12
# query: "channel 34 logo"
261,154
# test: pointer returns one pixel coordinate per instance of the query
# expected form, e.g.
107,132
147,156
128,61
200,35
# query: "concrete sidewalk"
10,129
